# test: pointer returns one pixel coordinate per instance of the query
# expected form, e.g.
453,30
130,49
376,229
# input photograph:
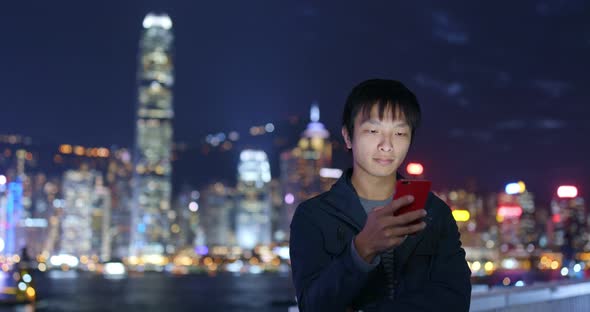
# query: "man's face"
379,146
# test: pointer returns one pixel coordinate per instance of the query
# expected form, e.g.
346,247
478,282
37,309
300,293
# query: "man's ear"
346,137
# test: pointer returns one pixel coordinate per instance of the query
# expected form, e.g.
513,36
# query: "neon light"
507,212
567,191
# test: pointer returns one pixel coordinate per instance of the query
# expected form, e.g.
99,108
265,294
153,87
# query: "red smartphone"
417,188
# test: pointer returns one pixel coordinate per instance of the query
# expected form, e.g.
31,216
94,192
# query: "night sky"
503,85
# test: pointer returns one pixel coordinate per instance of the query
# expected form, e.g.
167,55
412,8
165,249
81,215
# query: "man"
349,251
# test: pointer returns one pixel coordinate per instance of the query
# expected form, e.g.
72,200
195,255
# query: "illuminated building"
569,221
216,208
302,176
11,210
118,177
76,223
101,220
187,212
253,202
150,224
466,207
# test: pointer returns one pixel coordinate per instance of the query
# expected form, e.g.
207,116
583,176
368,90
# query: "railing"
554,296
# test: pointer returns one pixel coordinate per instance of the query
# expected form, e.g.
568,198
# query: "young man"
349,251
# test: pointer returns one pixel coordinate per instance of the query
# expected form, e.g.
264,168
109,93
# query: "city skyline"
500,104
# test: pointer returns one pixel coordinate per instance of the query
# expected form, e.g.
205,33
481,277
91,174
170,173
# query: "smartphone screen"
417,188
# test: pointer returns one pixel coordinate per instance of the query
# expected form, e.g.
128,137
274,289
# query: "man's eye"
401,133
373,131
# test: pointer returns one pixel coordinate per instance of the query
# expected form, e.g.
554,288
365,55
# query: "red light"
556,218
415,169
567,191
507,212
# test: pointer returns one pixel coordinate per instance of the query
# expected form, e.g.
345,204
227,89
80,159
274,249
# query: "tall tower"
150,231
303,167
253,216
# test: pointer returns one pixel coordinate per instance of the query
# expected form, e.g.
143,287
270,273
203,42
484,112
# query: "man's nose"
385,146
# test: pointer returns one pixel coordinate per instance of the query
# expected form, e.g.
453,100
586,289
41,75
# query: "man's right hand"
383,230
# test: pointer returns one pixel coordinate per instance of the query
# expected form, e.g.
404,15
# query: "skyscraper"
150,227
217,203
303,167
254,202
76,237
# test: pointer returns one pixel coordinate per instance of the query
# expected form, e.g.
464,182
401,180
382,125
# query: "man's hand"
383,230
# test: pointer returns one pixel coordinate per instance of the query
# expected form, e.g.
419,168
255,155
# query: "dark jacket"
431,271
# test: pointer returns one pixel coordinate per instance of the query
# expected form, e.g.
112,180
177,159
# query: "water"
161,292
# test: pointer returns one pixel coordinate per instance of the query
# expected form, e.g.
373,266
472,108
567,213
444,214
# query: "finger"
400,202
409,229
411,216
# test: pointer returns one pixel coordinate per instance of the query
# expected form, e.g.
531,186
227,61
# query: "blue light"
141,228
512,188
201,250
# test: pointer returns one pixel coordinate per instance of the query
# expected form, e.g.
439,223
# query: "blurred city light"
153,20
2,179
289,198
564,271
193,206
414,169
567,191
461,215
114,268
333,173
515,188
507,212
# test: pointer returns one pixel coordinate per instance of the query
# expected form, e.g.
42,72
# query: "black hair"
388,94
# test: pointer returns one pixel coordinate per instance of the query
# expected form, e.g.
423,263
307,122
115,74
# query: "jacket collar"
345,202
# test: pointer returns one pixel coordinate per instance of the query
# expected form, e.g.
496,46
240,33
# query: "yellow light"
476,266
254,261
16,258
79,150
102,152
303,143
30,292
183,260
461,215
207,261
522,186
499,218
275,262
84,259
132,260
554,265
506,281
489,266
42,267
65,149
175,228
453,195
317,143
